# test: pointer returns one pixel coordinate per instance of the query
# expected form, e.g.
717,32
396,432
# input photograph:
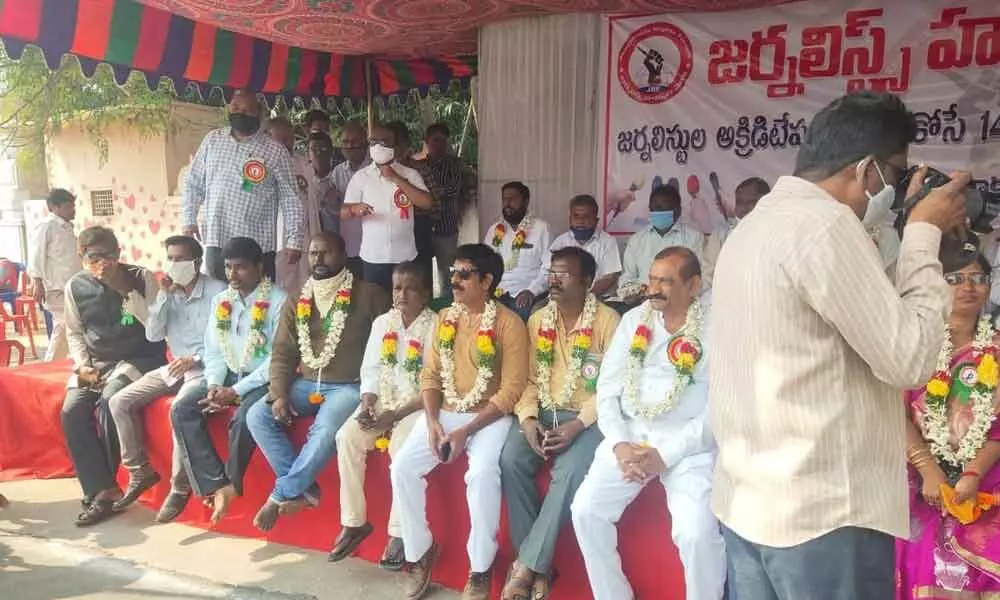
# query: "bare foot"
3,501
267,516
290,507
221,502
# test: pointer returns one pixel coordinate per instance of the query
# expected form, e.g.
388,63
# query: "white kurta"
684,441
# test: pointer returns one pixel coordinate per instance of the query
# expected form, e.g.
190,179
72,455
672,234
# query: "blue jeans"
297,472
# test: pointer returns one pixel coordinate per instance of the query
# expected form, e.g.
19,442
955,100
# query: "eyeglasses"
973,278
96,256
561,276
376,142
462,274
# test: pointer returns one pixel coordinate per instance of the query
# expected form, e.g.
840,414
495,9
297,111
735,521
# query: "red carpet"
31,446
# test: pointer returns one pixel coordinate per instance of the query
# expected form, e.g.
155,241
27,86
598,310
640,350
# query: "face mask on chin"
879,203
583,234
244,124
381,155
182,272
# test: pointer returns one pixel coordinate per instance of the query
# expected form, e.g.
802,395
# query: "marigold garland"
391,394
683,352
545,353
332,324
519,242
938,389
255,345
485,355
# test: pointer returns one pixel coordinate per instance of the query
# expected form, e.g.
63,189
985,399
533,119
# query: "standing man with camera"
810,484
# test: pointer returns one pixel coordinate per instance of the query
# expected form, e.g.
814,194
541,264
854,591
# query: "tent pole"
371,96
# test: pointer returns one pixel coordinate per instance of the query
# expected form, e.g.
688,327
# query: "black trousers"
217,266
205,469
91,435
378,273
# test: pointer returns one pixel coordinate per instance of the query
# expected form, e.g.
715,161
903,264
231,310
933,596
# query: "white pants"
57,348
603,497
482,487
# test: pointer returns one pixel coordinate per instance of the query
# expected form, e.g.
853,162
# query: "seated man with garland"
475,373
106,306
523,242
390,405
237,360
660,345
558,412
315,369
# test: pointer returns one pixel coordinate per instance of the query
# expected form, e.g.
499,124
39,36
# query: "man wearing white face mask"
178,315
391,190
812,346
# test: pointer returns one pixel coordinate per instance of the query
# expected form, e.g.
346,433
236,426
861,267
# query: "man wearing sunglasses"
394,191
474,374
106,306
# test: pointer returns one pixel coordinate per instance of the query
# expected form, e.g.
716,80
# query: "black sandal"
394,556
97,512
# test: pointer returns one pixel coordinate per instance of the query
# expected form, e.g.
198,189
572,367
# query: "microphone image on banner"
713,180
618,202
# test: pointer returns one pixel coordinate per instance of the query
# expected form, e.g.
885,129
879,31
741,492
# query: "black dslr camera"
982,208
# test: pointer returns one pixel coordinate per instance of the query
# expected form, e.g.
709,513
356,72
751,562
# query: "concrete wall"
141,172
536,101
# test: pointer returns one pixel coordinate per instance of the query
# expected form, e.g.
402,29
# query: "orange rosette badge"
684,353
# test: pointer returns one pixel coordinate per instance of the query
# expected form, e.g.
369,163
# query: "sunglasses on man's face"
973,278
463,274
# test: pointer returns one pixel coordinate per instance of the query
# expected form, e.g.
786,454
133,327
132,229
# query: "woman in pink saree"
953,438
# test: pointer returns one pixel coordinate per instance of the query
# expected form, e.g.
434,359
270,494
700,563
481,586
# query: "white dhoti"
482,484
603,497
55,304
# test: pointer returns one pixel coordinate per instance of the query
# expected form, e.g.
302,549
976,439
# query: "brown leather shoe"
478,586
419,577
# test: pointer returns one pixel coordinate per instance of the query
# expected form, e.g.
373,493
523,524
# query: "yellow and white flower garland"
983,414
389,396
484,372
544,368
519,241
340,311
688,334
256,340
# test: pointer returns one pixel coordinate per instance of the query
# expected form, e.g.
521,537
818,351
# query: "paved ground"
43,556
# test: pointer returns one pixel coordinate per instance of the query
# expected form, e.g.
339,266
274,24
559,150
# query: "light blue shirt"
256,372
644,245
181,319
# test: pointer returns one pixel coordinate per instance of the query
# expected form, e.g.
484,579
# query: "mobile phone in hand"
445,451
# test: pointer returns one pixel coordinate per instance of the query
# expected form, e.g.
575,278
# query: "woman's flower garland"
520,240
333,325
485,355
389,396
683,351
938,389
545,352
255,345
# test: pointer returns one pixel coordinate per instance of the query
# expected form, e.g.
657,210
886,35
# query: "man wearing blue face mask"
664,231
583,233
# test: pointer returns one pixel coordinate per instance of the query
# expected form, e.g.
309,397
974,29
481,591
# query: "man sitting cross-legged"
106,305
390,405
237,358
557,412
475,372
652,404
319,333
179,314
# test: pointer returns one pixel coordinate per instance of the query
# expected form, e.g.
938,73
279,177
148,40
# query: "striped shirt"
453,186
231,205
812,348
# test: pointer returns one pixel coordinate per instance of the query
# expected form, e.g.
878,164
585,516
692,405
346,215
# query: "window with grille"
102,203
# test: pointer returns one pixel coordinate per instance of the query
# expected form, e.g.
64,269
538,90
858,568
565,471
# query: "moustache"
322,272
654,297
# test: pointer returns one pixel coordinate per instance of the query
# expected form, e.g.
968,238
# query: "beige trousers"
57,348
353,444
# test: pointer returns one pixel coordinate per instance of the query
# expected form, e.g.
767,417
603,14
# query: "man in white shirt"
664,231
652,406
584,233
748,193
52,260
812,346
523,242
390,405
392,190
354,147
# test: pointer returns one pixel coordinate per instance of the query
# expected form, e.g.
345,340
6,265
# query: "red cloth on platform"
31,445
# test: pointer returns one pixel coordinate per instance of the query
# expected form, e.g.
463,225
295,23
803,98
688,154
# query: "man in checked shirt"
238,179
